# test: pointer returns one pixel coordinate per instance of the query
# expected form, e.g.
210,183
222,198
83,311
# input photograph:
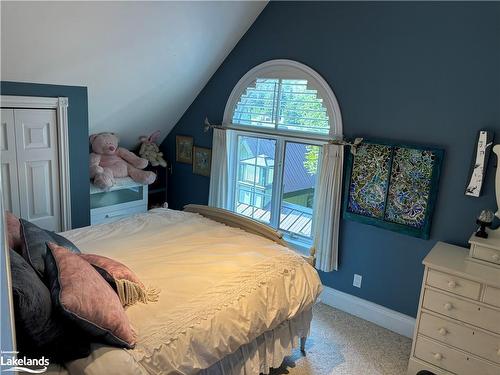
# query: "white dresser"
458,323
125,198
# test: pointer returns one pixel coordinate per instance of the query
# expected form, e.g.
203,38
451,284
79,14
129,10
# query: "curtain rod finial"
207,126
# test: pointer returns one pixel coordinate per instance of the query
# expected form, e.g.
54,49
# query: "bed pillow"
85,297
122,279
39,329
34,245
13,231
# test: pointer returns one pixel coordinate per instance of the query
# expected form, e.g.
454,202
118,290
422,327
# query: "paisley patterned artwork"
393,187
410,186
369,178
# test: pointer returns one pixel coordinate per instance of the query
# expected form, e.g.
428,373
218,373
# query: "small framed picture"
184,149
202,158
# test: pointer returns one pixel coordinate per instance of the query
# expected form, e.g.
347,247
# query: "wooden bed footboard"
242,222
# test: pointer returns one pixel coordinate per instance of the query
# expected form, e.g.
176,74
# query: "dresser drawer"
466,311
487,254
492,296
451,359
453,284
455,334
100,216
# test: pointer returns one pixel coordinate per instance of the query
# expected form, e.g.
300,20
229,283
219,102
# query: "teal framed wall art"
393,186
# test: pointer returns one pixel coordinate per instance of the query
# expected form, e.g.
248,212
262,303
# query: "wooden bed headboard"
235,220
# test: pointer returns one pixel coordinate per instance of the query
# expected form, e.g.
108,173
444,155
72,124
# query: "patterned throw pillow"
124,281
85,297
34,245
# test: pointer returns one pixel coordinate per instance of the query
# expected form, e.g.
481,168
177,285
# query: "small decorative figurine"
484,220
150,151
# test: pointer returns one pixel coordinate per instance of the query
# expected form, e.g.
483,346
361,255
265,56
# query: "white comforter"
220,287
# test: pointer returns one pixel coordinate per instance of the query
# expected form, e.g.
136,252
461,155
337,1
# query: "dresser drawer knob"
452,284
496,257
442,331
498,352
448,306
438,356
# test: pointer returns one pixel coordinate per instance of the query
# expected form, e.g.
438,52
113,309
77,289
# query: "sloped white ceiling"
143,62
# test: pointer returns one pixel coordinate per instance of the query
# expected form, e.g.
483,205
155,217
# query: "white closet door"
38,166
8,163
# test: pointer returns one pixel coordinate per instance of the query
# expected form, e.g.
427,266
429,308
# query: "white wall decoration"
479,163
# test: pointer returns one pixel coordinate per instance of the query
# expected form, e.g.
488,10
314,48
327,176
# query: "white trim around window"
288,69
287,101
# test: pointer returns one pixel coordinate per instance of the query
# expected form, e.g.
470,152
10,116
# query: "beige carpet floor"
342,344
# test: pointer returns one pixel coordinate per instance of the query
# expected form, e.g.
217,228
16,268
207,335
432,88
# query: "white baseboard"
380,315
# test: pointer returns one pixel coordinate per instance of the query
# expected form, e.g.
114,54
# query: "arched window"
285,97
278,117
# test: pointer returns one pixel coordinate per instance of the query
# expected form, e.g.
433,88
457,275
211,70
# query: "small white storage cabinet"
125,198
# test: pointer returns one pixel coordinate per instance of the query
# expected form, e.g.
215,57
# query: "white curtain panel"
327,208
218,193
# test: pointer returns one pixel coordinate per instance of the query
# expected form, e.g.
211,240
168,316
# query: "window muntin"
288,105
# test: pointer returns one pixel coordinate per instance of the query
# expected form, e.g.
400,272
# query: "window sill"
301,247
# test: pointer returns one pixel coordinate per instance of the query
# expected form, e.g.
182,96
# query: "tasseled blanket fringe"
130,293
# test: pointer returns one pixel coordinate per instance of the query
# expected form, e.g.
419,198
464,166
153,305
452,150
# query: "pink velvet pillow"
85,297
124,281
13,231
116,269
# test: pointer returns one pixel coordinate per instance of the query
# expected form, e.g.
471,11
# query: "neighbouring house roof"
260,161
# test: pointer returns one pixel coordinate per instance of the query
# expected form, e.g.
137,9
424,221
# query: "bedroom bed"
231,301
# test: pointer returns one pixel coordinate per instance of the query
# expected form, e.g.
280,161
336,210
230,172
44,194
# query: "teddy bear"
108,161
149,150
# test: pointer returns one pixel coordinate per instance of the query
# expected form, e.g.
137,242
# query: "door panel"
4,142
37,135
38,167
39,200
8,163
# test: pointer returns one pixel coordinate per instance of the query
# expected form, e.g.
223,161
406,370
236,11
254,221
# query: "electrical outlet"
357,280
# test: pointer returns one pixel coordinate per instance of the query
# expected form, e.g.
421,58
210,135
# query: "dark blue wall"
78,140
424,73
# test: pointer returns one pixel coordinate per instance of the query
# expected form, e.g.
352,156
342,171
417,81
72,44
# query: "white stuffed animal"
150,151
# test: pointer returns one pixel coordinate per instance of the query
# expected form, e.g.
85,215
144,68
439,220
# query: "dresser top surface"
454,259
493,240
120,183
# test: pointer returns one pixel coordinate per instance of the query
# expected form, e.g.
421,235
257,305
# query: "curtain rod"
342,142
